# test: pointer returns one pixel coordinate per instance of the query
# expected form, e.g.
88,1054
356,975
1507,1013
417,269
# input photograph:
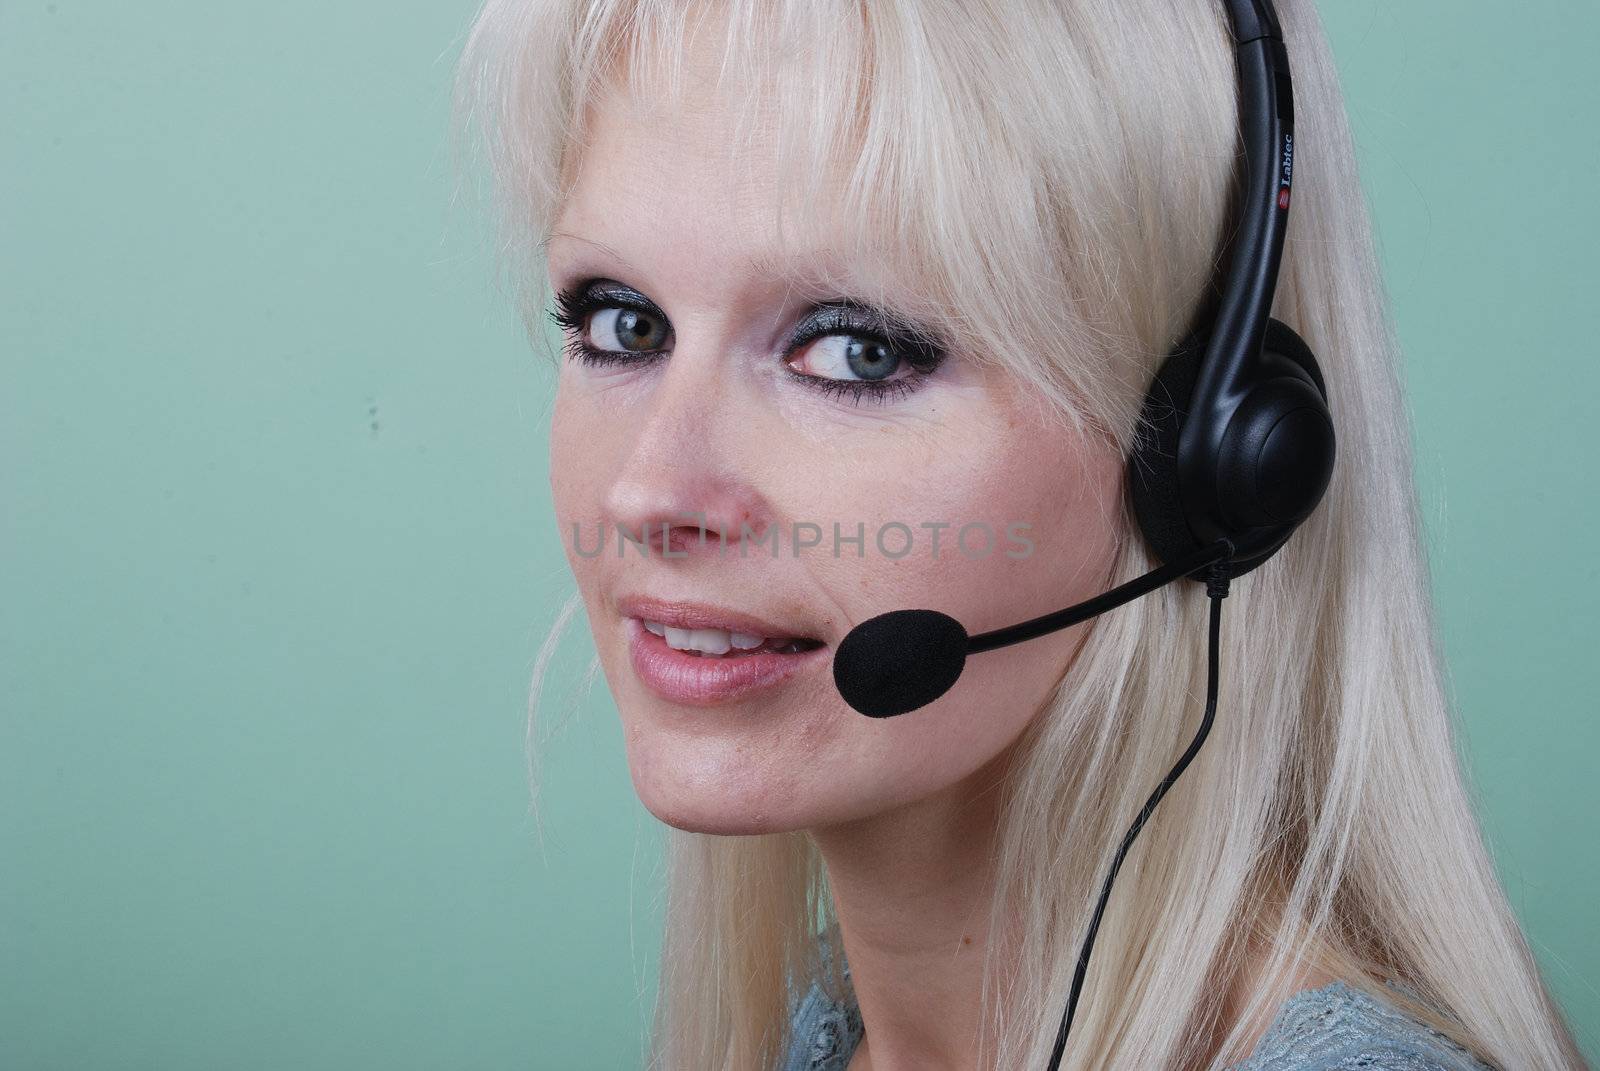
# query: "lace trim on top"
1333,1028
1341,1028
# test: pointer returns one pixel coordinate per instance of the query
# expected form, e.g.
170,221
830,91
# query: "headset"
1235,449
1243,445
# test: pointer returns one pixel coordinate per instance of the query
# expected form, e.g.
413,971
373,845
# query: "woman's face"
713,418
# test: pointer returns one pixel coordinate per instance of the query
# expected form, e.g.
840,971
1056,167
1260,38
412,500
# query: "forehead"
699,180
657,185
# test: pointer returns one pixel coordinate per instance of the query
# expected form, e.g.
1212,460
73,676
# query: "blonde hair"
1058,177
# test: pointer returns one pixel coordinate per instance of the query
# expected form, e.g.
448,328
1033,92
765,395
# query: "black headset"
1236,444
1236,437
1235,447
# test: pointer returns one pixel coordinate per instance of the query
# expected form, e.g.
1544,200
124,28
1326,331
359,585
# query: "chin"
696,810
711,786
739,769
719,824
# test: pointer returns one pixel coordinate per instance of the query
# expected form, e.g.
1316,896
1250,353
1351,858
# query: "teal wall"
278,553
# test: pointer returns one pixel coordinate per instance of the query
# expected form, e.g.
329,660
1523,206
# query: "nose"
684,485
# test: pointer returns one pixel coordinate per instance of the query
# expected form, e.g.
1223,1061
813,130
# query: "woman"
836,279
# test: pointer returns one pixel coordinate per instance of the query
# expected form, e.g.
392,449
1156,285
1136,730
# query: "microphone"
905,659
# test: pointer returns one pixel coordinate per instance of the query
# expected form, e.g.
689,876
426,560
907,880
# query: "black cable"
1216,590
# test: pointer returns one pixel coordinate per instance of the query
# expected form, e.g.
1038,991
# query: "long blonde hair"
1058,176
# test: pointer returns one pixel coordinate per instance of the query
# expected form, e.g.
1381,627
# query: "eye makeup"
878,337
574,307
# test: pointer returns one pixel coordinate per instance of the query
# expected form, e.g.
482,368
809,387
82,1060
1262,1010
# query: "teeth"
713,641
709,641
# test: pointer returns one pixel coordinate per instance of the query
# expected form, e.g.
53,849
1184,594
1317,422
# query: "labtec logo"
1287,168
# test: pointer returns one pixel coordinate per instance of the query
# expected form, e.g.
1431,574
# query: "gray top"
1334,1028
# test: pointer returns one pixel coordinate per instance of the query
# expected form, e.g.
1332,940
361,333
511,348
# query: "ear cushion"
1153,462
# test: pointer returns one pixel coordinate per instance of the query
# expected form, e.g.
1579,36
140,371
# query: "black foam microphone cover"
899,661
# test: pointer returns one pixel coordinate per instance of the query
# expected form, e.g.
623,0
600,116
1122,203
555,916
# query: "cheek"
578,456
1052,519
1005,525
570,478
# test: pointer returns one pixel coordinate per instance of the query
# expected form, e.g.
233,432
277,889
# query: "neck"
912,890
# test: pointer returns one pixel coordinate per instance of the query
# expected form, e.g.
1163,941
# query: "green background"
278,552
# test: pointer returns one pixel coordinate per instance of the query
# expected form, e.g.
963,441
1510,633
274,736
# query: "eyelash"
574,306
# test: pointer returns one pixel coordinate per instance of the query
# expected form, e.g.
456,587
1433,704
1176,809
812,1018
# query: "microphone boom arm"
1139,585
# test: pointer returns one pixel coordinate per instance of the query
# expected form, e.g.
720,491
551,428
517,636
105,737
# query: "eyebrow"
816,275
544,246
811,270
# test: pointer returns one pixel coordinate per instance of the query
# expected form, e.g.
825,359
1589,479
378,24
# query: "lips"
683,614
722,643
735,655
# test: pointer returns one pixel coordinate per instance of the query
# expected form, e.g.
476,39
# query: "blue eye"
859,367
624,329
627,329
849,350
853,350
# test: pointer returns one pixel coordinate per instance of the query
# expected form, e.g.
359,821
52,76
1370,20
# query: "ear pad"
1153,463
1270,471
